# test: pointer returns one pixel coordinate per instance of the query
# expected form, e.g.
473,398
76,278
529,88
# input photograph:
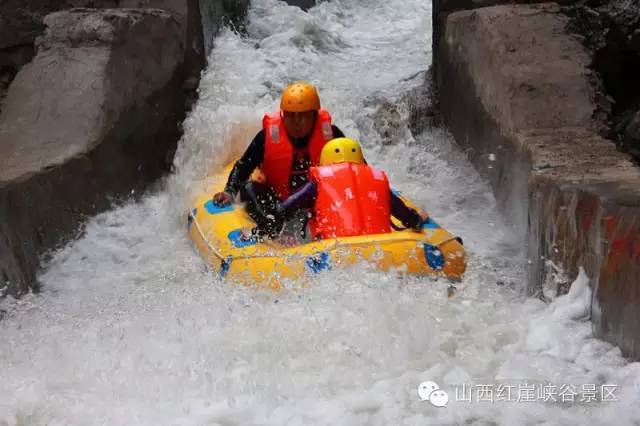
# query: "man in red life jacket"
290,141
349,197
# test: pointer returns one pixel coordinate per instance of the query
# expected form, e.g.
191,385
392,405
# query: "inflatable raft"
216,234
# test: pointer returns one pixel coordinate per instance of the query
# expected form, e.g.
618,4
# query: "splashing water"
131,329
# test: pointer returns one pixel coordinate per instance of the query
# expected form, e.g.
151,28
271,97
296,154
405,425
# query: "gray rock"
632,134
92,115
302,4
442,9
187,14
21,21
517,88
216,13
633,128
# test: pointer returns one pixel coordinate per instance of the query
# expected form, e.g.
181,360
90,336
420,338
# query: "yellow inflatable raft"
215,232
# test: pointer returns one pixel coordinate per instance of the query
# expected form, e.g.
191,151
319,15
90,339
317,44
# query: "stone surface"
216,13
187,13
632,133
442,9
94,114
21,22
518,95
302,4
610,30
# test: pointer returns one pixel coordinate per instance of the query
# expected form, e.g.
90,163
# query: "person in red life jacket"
348,196
290,141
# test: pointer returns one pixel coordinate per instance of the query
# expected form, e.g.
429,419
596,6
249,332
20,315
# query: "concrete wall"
517,92
93,110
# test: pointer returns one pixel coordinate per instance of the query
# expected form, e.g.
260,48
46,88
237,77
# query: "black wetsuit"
261,199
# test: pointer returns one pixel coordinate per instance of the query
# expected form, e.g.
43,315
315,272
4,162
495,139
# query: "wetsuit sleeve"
408,216
250,160
304,198
337,133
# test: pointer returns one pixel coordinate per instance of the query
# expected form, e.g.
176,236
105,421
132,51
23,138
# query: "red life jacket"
352,199
278,149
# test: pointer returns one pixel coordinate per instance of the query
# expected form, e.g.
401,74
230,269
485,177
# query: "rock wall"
612,31
216,13
21,22
95,114
302,4
518,93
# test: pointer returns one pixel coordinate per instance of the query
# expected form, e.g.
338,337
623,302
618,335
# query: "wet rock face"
302,4
21,22
517,91
612,31
93,115
632,131
442,9
216,13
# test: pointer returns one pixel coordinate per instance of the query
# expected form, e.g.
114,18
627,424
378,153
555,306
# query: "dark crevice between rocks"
11,60
611,29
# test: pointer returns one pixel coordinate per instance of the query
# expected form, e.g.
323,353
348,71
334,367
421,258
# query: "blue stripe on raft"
433,256
430,224
318,262
213,208
235,238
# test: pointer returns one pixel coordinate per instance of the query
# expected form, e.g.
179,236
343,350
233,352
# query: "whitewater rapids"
131,329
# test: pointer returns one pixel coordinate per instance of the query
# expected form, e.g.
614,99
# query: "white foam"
131,329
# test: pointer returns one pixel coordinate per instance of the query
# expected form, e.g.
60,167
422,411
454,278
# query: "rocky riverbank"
519,91
92,99
611,30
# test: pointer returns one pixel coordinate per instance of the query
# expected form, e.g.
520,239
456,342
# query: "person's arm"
250,160
408,216
304,198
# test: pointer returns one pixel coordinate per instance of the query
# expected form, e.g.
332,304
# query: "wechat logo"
430,391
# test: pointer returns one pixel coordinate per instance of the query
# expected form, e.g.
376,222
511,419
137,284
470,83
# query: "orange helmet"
300,97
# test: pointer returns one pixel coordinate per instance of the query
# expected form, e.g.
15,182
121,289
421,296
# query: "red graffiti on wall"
624,244
586,212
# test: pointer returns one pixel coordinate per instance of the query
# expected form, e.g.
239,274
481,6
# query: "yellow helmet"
300,97
341,150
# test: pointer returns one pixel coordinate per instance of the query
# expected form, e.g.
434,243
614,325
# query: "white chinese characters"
535,392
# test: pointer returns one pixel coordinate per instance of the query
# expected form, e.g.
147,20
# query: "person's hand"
424,218
223,199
